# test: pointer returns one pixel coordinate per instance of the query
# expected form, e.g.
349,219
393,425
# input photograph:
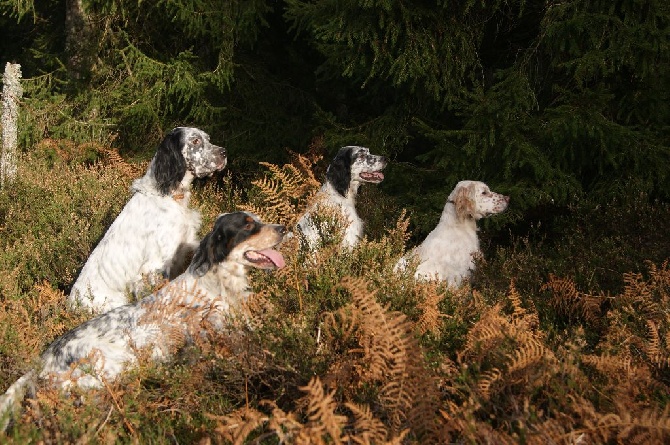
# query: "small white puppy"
448,251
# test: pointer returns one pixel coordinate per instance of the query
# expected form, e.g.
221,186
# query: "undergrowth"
336,347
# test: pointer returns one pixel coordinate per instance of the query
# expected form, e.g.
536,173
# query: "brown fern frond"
305,163
567,300
491,328
613,366
283,193
528,354
388,356
487,380
649,309
321,408
297,180
383,335
238,425
367,428
653,345
660,278
117,162
657,424
276,205
639,318
408,390
649,426
284,425
346,322
515,298
636,289
398,395
522,317
343,325
430,319
398,439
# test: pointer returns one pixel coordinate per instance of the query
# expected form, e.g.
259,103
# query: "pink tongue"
274,256
373,175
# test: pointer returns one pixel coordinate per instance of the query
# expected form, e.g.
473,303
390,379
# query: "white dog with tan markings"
448,251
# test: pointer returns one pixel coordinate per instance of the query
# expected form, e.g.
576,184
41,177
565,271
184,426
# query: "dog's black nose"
281,230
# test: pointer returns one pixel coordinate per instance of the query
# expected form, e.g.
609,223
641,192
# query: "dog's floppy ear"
169,164
201,262
339,171
212,250
464,201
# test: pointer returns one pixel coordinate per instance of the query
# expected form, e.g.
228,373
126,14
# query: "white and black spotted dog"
156,230
351,167
191,306
448,251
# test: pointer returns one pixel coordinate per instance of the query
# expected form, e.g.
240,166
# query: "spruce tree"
129,69
546,99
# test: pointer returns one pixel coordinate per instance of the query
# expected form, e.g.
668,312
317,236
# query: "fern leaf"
238,425
653,345
367,428
321,411
487,380
569,301
431,317
282,194
530,353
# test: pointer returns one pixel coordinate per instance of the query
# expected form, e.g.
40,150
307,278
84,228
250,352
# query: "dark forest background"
547,101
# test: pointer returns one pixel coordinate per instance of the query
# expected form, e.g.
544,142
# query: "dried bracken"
567,300
118,162
335,347
284,191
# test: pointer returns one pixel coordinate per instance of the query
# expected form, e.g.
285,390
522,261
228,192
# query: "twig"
118,408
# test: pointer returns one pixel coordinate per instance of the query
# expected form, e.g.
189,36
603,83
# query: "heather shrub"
52,216
337,348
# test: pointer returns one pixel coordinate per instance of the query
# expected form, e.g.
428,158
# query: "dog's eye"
196,141
249,226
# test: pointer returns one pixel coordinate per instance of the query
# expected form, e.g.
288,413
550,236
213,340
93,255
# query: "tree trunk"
78,40
11,95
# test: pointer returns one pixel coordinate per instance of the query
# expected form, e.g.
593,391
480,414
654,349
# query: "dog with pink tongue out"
192,306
